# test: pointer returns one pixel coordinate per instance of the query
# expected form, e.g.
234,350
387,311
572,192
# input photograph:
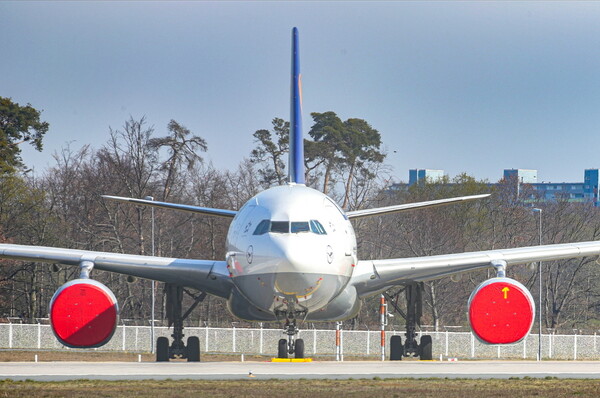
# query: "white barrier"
317,342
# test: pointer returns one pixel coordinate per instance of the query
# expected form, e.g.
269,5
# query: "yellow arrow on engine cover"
505,291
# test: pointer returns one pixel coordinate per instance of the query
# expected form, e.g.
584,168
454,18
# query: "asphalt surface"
58,371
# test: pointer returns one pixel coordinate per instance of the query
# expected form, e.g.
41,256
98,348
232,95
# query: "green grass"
446,388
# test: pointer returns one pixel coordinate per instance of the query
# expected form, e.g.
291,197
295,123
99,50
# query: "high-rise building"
428,175
524,176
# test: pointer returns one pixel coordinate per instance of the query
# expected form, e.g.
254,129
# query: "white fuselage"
291,249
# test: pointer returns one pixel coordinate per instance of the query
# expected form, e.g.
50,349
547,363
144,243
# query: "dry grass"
447,388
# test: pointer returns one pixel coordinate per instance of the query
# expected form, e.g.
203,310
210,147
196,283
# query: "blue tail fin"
296,163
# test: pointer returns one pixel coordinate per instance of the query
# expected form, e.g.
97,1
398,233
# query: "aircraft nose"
298,275
298,256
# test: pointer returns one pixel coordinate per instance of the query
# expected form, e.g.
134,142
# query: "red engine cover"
501,311
83,313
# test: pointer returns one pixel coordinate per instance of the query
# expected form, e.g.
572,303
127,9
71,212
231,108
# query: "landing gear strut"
292,345
414,311
178,349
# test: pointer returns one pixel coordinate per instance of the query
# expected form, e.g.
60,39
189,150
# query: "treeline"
571,290
63,207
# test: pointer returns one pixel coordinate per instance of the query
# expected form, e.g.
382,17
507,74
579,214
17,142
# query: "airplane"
291,257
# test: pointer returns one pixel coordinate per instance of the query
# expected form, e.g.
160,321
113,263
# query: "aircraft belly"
279,291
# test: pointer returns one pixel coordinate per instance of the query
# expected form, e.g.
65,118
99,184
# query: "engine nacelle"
501,311
83,313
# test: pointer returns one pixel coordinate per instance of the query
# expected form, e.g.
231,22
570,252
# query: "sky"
471,87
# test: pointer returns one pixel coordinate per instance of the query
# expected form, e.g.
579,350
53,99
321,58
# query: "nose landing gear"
292,345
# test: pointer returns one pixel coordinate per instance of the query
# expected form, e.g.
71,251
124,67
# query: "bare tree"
182,149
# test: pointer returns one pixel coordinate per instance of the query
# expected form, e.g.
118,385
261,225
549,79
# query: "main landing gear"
414,311
292,345
177,349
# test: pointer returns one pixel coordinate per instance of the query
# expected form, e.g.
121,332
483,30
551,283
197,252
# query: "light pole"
153,282
539,211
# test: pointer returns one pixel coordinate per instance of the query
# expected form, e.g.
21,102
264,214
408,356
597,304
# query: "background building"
428,175
586,191
522,175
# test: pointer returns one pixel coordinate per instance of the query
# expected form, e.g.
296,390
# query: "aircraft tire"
193,349
396,348
282,349
162,349
299,348
426,348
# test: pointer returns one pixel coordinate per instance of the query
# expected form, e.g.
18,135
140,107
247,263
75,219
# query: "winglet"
296,160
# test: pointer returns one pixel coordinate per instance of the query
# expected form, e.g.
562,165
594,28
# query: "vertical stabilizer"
296,162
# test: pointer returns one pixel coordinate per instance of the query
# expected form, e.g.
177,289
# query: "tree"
129,156
351,146
327,133
25,218
567,293
360,147
270,149
18,124
182,149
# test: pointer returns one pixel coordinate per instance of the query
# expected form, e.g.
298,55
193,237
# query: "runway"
58,371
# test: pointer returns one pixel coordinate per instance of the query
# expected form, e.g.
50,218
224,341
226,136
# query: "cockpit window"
317,228
300,226
262,227
284,227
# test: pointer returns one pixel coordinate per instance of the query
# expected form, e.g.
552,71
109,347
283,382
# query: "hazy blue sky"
465,86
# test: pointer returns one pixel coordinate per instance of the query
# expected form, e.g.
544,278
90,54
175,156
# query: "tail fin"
296,161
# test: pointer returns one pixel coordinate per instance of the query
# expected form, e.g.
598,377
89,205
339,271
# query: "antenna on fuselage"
296,159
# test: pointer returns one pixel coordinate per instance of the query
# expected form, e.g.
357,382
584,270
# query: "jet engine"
501,311
83,313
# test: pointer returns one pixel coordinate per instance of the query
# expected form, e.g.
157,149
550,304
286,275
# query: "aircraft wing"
166,205
411,206
374,276
206,275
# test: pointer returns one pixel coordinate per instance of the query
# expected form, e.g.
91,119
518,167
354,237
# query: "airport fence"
318,342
